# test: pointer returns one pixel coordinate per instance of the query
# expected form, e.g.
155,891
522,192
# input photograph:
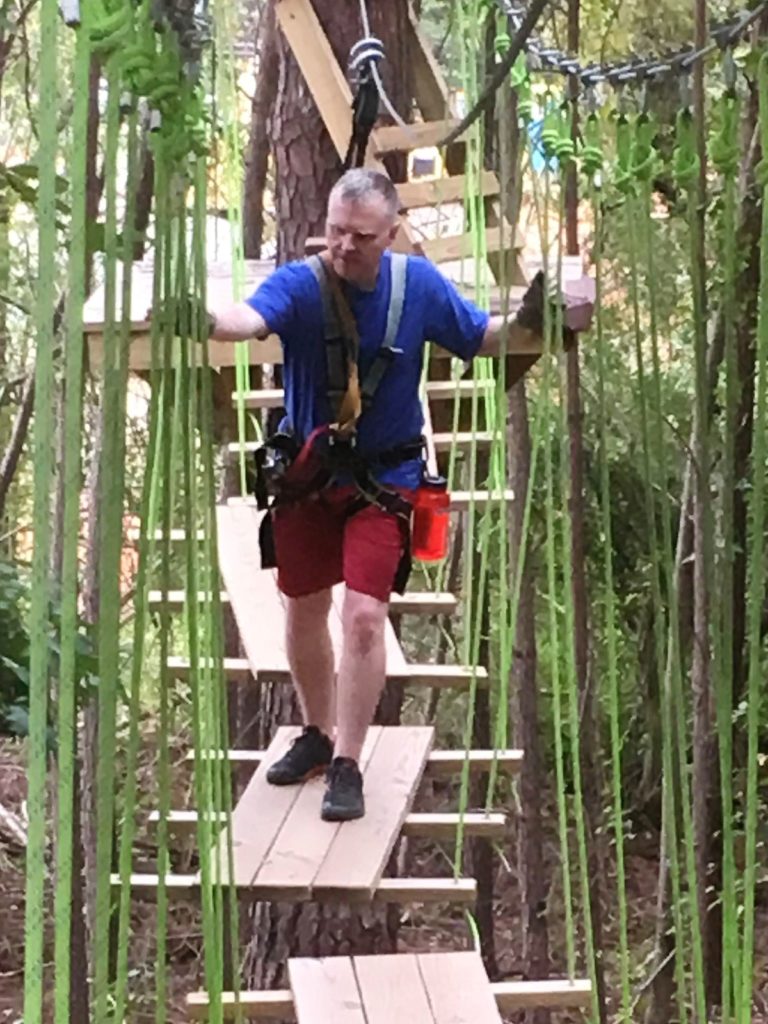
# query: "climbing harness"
289,469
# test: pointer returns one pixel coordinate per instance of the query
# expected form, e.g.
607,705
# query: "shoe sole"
319,769
341,817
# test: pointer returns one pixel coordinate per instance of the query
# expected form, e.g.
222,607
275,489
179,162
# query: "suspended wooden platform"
404,988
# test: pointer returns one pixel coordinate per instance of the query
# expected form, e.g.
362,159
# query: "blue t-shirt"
291,305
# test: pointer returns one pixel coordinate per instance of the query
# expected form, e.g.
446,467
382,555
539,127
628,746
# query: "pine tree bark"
259,143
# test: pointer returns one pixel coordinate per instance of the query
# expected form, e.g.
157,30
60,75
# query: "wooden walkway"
403,988
283,850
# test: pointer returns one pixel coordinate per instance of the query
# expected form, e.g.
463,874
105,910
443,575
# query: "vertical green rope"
724,152
756,585
110,543
43,472
73,377
592,162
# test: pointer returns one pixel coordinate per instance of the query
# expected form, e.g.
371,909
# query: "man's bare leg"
310,657
362,670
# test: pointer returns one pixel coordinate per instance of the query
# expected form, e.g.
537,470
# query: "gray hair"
360,183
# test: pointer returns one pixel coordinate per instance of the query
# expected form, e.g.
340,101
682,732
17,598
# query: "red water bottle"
429,529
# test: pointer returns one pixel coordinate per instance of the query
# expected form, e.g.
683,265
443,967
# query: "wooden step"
396,139
389,890
510,996
416,194
440,764
416,825
410,603
451,248
463,440
454,677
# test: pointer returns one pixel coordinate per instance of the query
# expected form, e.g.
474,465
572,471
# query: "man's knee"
302,613
363,620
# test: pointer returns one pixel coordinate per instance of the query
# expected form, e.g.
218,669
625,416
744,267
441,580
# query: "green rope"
725,152
592,164
110,543
625,183
43,472
756,584
687,163
67,690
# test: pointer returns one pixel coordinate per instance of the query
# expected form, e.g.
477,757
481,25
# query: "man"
317,542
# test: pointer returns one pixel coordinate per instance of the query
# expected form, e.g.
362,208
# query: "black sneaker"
343,800
309,754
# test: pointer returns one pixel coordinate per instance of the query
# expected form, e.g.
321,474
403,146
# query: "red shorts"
318,545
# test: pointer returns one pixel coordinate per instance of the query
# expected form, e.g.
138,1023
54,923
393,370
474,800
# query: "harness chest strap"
346,392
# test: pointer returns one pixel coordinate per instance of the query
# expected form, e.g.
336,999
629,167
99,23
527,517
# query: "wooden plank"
458,988
296,851
441,763
480,824
304,839
557,994
359,853
413,602
325,79
416,194
396,139
325,990
451,248
258,815
461,500
389,890
392,989
443,676
463,439
262,398
429,85
220,354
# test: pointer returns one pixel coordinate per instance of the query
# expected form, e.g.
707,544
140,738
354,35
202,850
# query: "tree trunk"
257,160
306,167
306,163
534,885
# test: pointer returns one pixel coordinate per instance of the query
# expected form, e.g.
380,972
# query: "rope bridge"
272,845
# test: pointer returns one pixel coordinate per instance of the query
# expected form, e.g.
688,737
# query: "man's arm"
237,322
518,338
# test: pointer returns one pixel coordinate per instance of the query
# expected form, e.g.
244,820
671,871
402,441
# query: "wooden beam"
463,440
451,248
416,194
555,994
440,764
430,87
424,826
389,890
410,603
395,139
272,398
441,676
317,61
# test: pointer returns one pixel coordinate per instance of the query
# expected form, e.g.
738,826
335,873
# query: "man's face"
357,233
